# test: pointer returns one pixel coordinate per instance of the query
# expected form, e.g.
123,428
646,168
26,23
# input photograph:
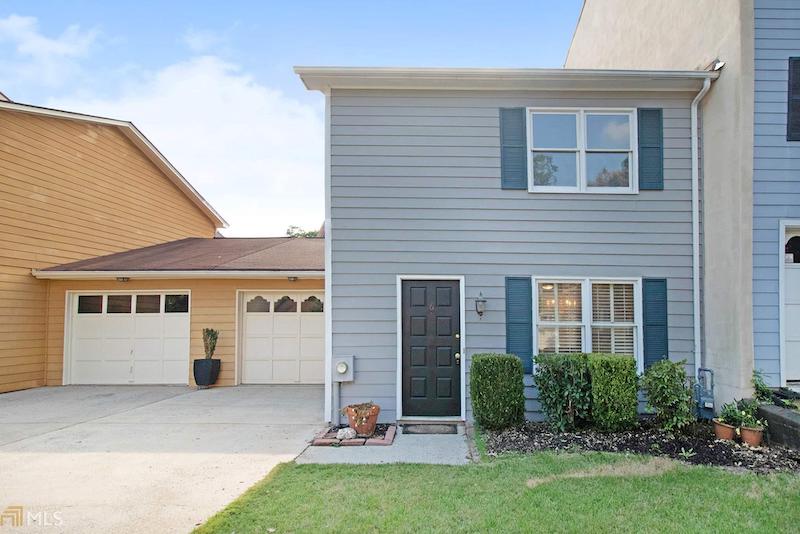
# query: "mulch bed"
384,435
695,445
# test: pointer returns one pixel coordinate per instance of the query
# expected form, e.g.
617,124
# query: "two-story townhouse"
504,210
751,149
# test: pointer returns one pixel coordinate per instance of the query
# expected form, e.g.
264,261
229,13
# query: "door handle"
458,358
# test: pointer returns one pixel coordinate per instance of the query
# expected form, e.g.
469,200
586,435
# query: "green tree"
296,231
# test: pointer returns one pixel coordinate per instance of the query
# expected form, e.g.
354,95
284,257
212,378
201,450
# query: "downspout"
698,346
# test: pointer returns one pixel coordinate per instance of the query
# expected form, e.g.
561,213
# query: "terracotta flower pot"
752,436
365,428
724,430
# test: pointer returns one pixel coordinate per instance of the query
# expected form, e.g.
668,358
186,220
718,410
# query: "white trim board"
169,275
463,345
327,414
783,226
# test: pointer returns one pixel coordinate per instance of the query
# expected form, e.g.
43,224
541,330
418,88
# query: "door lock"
458,358
458,336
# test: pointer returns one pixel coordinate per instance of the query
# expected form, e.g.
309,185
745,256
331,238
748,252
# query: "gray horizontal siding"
776,185
415,189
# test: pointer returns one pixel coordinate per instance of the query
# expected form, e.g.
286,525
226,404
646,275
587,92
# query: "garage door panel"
792,291
312,372
89,349
285,348
89,327
148,349
312,349
312,324
106,372
118,326
176,325
286,324
148,326
176,348
117,349
258,348
286,371
258,324
257,371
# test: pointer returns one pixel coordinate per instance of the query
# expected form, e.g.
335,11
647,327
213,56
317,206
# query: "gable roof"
325,78
200,256
138,139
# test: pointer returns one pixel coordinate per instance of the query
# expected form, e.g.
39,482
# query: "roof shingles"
207,254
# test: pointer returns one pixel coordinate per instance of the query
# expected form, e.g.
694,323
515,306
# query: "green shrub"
564,388
615,391
669,394
762,392
496,389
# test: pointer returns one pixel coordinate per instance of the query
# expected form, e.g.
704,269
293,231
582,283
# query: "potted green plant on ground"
752,429
728,422
362,417
206,370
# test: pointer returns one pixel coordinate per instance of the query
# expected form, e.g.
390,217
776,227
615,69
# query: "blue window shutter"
651,149
519,320
513,149
656,335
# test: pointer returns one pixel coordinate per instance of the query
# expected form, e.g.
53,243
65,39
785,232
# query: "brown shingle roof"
207,254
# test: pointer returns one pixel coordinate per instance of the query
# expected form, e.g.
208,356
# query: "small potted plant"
728,421
362,417
206,370
752,429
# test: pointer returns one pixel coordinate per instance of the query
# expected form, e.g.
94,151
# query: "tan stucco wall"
213,305
689,34
71,190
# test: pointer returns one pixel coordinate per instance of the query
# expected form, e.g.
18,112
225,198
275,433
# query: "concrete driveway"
144,458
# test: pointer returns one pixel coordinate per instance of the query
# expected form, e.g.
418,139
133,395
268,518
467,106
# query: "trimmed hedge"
564,388
669,394
496,390
614,391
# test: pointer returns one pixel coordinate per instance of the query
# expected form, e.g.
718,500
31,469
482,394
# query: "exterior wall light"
123,279
480,305
292,278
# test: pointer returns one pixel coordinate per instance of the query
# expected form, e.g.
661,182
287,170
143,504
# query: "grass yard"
542,492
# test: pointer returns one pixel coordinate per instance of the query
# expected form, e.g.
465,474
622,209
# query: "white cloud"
254,153
48,60
201,40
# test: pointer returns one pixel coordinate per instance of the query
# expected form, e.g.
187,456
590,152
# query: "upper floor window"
793,103
582,150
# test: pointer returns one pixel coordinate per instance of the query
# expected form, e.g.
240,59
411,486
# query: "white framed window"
588,315
582,150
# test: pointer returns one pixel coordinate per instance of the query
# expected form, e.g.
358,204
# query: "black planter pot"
206,371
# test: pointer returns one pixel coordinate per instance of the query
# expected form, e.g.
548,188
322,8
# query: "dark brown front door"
431,346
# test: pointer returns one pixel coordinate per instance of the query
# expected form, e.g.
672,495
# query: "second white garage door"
283,337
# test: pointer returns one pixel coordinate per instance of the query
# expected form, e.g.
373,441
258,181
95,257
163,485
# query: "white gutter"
698,346
167,275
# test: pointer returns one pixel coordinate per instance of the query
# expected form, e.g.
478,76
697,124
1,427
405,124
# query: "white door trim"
784,225
238,344
70,302
462,326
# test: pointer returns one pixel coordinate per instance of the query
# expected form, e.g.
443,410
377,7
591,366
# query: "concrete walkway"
145,458
447,449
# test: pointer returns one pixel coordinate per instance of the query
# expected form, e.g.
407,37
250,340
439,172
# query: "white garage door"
283,338
791,326
129,338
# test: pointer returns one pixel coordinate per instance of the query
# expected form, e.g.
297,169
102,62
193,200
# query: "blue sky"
212,83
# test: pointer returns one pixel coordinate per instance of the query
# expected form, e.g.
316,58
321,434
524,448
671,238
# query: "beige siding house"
78,188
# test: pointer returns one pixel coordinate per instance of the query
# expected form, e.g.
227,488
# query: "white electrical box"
342,369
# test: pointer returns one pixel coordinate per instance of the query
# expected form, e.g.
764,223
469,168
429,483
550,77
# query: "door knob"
458,336
458,358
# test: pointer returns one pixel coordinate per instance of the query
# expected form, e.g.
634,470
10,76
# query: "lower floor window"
588,315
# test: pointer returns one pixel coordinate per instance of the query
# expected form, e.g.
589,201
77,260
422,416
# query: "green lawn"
591,492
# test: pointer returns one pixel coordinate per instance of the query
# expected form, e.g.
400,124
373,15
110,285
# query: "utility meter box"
342,369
